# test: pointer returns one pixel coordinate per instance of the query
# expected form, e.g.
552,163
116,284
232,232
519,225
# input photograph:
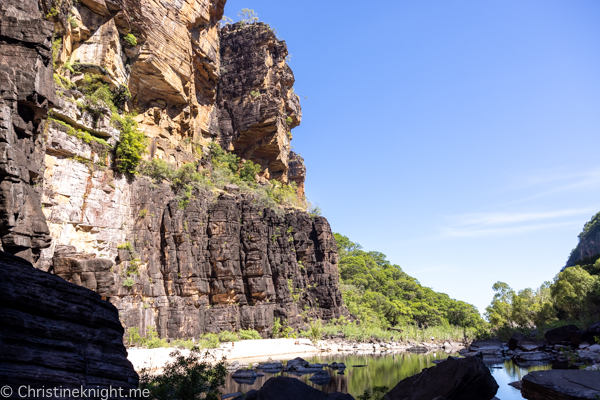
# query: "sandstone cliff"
219,261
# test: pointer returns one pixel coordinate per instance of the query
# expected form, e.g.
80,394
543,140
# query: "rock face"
220,263
26,92
214,266
56,334
561,385
456,378
256,100
589,242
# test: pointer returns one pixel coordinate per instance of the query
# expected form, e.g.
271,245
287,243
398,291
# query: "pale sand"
245,351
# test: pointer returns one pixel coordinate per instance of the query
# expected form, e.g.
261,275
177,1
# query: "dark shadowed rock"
558,335
54,333
285,388
532,357
244,374
530,345
591,333
320,378
561,385
487,347
577,337
455,378
513,342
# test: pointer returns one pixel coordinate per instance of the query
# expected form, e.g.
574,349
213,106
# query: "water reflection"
511,372
387,370
379,370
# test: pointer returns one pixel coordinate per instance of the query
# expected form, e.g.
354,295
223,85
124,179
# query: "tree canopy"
375,290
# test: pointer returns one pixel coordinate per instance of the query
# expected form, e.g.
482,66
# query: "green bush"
227,336
248,334
315,332
131,40
157,169
131,147
276,327
210,341
186,378
56,48
128,283
313,210
249,170
125,246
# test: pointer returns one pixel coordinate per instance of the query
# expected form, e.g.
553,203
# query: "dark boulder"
513,342
455,378
559,335
298,364
561,385
244,374
57,334
282,387
320,378
487,347
531,345
591,333
577,337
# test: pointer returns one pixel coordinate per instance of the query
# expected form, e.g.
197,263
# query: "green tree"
499,312
570,291
131,146
186,378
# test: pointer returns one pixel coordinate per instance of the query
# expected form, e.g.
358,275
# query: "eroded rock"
57,334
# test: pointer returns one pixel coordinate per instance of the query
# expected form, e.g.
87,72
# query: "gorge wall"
222,262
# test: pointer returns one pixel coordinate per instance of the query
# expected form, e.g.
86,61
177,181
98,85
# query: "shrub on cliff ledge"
131,147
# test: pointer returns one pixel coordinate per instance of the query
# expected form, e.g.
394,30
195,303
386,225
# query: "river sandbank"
262,349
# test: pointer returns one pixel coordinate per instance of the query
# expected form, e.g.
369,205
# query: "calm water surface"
387,370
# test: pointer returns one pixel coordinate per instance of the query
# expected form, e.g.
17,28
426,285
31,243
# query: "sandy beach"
245,350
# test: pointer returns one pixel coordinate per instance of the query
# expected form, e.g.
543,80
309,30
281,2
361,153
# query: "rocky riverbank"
566,347
250,352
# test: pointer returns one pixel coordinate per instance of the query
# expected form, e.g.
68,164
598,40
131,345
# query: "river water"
387,370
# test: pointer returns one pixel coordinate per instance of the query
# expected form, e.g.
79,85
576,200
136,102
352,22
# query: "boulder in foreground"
55,334
455,378
561,385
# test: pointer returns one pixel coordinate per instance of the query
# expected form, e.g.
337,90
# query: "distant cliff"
589,243
90,76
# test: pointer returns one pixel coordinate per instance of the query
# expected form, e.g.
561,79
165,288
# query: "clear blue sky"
460,138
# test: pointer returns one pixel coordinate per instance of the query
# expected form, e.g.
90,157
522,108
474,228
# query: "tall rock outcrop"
589,242
58,335
257,104
223,260
26,92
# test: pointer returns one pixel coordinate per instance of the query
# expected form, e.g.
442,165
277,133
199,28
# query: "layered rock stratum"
222,261
57,335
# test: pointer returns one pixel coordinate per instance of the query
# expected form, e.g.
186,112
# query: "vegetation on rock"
131,40
227,169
